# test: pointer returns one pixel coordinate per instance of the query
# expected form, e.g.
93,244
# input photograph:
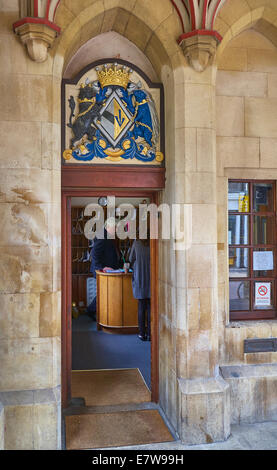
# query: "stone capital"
37,37
199,50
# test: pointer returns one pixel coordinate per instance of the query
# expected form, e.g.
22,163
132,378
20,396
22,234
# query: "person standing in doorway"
104,257
139,259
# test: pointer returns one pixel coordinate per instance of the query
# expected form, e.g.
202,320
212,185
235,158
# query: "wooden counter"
117,310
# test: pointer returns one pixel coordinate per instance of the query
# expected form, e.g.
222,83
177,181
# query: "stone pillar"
204,414
30,246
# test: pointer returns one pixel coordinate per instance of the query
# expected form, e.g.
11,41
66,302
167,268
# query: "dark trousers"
91,309
143,307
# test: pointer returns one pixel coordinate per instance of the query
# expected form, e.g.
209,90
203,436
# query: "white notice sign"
262,294
262,260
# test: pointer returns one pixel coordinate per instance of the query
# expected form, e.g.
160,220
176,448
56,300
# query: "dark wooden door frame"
67,194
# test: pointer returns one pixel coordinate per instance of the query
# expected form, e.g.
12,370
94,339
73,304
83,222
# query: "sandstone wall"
30,193
30,245
246,148
246,142
208,140
31,203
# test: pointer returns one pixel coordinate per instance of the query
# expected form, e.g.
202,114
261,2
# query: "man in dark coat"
140,261
104,257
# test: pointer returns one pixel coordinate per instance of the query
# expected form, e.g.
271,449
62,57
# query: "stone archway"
188,295
107,45
235,17
152,57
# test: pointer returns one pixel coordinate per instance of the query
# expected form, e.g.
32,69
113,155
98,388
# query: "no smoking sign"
262,290
262,294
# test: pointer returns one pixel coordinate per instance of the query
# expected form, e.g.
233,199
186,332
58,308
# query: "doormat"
109,387
124,428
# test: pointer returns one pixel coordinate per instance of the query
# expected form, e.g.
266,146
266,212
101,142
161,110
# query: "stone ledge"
253,391
247,324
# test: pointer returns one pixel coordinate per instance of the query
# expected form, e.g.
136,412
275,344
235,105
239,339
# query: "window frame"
252,313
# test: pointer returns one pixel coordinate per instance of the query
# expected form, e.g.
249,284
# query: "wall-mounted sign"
112,115
243,203
262,294
262,260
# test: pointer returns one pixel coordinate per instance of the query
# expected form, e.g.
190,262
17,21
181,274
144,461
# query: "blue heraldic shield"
117,120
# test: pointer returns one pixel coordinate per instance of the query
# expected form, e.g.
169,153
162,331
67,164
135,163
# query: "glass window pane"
263,262
238,230
239,295
263,230
263,197
263,295
238,262
238,197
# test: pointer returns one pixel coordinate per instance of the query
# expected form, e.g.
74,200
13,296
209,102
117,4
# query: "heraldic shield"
116,120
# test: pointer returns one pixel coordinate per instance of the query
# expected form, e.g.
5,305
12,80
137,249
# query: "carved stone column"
203,395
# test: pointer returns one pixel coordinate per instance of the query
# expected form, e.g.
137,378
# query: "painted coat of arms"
116,119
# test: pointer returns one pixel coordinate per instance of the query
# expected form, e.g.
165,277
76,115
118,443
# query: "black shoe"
142,338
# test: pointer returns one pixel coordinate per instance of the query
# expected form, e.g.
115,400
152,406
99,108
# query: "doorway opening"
123,157
108,340
111,361
110,379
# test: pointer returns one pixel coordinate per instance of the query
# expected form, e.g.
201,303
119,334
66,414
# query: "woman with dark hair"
140,261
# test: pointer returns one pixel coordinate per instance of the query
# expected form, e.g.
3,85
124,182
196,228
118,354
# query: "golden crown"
113,75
